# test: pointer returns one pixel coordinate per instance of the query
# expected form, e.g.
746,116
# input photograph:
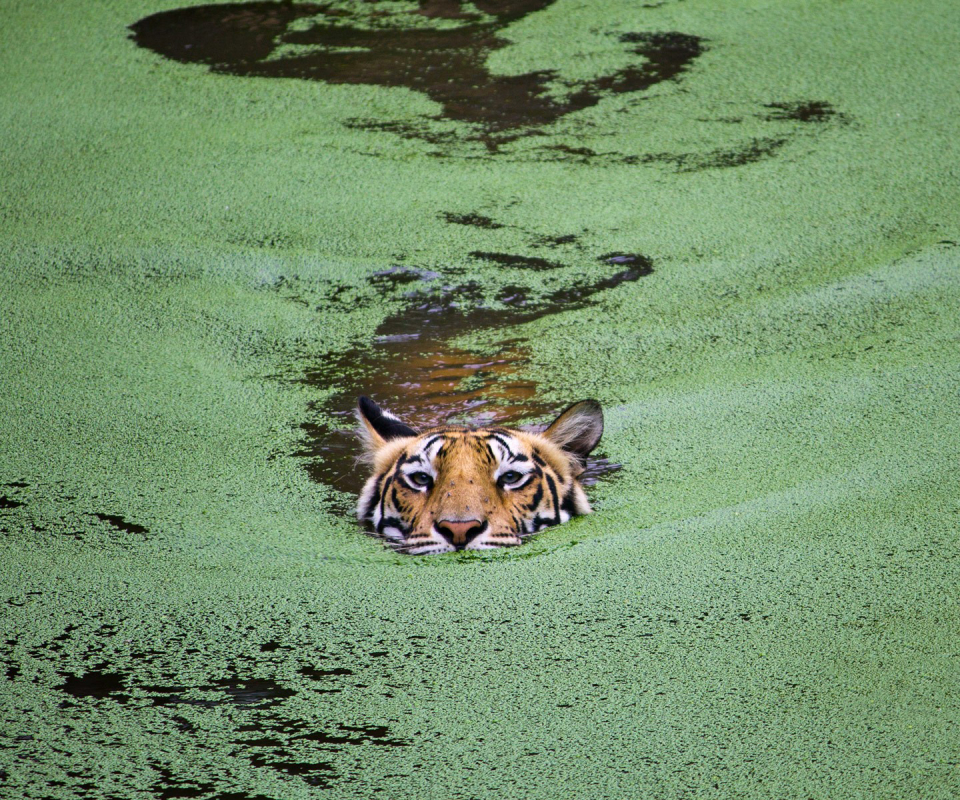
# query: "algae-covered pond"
736,225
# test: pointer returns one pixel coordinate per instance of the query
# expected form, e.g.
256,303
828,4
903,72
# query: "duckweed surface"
735,224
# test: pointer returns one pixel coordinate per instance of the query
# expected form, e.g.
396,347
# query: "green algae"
763,605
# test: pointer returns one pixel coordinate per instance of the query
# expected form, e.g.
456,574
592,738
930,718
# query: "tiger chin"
460,488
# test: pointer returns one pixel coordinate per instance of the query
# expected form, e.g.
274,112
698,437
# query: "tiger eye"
420,478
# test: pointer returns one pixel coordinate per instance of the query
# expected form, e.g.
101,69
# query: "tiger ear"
578,429
379,426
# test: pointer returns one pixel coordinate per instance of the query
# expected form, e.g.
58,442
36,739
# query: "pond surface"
734,225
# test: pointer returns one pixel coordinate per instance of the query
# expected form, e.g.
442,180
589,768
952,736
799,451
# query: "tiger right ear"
379,426
578,429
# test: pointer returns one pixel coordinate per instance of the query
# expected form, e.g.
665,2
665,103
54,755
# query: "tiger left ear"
578,429
379,426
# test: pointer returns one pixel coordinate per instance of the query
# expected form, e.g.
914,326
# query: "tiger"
456,487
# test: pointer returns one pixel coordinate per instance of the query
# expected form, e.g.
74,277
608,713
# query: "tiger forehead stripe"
430,442
503,443
434,447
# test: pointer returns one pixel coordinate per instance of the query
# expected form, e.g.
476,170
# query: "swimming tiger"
460,488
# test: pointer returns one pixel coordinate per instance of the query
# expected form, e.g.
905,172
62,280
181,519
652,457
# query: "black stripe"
393,522
429,443
537,497
373,502
383,497
556,501
505,446
568,504
397,475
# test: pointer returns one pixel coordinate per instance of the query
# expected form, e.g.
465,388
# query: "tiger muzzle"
460,532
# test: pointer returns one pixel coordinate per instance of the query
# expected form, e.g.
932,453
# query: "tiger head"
456,488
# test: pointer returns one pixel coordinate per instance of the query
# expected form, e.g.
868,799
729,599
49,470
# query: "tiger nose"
459,532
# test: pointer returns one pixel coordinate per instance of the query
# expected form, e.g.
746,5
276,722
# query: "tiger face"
456,488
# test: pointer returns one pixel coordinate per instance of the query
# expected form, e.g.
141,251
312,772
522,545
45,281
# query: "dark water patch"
63,637
472,220
278,729
241,796
169,785
755,150
396,45
183,724
8,660
17,485
640,263
272,646
581,152
724,120
284,745
18,603
447,139
520,262
556,241
257,693
805,111
7,502
96,683
413,369
356,735
322,674
400,276
317,774
121,524
667,55
747,153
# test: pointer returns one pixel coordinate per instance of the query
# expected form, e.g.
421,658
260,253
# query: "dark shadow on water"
407,45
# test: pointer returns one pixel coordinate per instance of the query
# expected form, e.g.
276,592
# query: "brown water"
413,369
